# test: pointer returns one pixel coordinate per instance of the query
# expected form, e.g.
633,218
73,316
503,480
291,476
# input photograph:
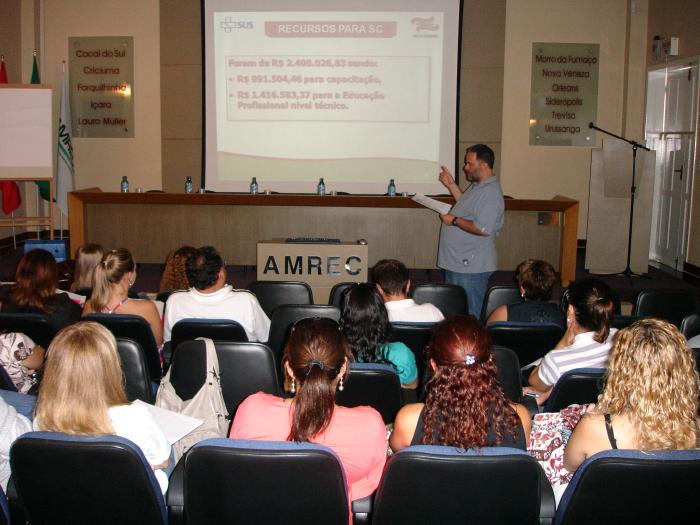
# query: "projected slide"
356,98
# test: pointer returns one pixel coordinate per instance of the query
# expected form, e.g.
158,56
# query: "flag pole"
14,237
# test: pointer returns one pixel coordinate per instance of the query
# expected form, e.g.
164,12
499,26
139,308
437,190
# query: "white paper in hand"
441,207
175,426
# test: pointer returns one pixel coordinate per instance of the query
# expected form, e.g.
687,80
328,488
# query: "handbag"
207,404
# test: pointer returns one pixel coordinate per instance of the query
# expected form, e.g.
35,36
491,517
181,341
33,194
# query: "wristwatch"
454,221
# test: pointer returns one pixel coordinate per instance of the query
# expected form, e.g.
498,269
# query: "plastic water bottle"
125,185
321,189
254,186
188,185
391,191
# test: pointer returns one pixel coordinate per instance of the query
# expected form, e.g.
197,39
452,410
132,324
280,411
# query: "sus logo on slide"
425,24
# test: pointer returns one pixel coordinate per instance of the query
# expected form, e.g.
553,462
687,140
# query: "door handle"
679,170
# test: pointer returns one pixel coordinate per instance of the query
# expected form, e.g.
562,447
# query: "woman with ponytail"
587,340
315,365
111,281
465,405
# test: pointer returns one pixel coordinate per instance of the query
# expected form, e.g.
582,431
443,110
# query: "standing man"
467,250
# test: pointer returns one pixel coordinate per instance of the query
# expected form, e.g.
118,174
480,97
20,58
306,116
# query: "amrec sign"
319,265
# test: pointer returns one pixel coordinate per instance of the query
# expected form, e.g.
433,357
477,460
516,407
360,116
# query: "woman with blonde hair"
82,393
113,277
87,257
650,400
175,274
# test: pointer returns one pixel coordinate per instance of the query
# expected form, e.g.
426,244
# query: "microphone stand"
635,146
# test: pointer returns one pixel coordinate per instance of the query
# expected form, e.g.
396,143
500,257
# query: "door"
671,119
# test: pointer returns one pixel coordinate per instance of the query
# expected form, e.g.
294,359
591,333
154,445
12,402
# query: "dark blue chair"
215,329
580,386
272,294
375,385
66,479
672,305
451,299
633,487
37,326
529,341
447,485
222,481
136,328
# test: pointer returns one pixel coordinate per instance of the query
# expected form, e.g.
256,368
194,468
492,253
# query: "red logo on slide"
425,24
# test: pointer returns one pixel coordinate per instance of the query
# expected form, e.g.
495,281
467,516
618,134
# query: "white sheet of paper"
175,426
441,207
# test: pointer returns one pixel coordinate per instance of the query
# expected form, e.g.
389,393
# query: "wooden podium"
321,265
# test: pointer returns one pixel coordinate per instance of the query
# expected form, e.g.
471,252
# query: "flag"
35,72
10,191
10,196
3,71
43,186
64,164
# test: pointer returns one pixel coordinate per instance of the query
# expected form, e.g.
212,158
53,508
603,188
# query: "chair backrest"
415,336
245,368
272,294
286,315
136,328
335,298
690,326
623,321
670,305
6,382
36,326
215,329
449,298
375,385
231,481
137,378
508,369
433,484
62,479
632,486
529,340
580,386
498,296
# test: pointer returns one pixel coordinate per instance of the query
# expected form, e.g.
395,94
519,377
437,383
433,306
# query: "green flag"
42,185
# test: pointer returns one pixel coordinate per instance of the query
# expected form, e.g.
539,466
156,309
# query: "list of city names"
564,94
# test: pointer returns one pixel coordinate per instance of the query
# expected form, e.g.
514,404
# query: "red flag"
3,72
10,196
10,191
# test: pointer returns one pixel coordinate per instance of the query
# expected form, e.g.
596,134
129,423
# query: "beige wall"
680,18
545,171
181,90
102,162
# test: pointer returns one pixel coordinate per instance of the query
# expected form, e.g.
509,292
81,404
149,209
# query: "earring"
293,387
340,385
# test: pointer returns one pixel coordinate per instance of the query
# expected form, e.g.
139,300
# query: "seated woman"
315,362
113,277
366,326
82,392
35,291
535,280
175,275
87,257
465,405
20,358
586,342
650,398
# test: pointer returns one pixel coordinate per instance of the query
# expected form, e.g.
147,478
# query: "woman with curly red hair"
465,406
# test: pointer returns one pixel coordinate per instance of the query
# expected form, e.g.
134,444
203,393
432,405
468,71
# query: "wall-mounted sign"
564,94
102,86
